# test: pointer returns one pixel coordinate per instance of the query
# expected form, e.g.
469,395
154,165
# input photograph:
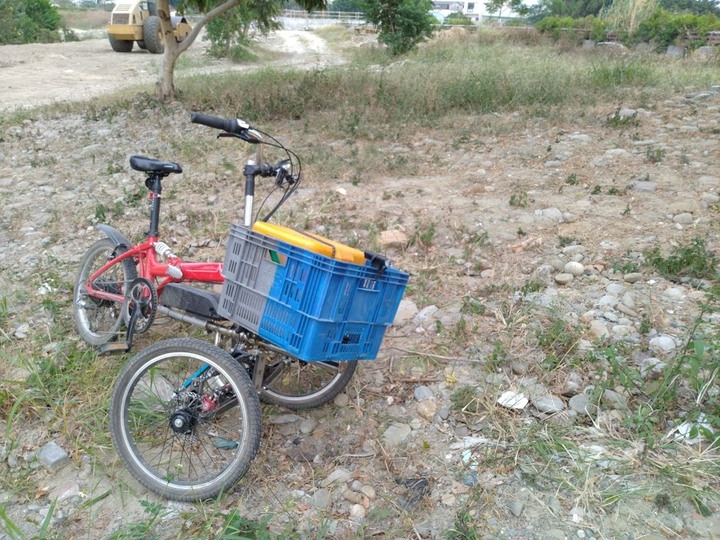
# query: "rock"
673,51
308,425
548,404
338,476
563,278
53,457
516,507
684,218
280,419
513,400
421,393
614,399
426,316
64,492
427,409
393,239
369,492
352,496
407,310
341,400
598,330
396,434
357,511
662,344
321,499
647,187
581,405
574,268
633,277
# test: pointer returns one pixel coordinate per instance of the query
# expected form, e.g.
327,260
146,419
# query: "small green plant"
655,155
618,120
425,235
596,190
572,180
564,241
530,287
464,398
472,306
690,260
559,340
113,168
519,200
614,190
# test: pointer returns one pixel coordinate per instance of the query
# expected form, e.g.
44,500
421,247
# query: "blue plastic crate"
317,308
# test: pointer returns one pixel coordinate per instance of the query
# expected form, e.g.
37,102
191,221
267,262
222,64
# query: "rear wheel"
120,45
185,419
98,321
153,36
296,384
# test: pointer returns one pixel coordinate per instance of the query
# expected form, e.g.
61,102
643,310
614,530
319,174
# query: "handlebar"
230,125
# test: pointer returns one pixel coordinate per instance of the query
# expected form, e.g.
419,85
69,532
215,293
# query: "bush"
458,18
401,24
28,21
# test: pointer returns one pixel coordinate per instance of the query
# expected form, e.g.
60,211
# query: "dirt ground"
41,74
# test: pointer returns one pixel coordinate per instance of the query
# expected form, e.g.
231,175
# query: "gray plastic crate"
249,272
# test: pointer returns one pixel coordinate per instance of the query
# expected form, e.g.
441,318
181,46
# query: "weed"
521,232
472,306
496,359
519,200
114,168
465,399
141,530
655,155
615,191
559,340
424,235
626,211
596,190
624,267
530,287
572,179
618,120
564,241
690,260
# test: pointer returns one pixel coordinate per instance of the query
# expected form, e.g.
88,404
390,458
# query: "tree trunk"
173,50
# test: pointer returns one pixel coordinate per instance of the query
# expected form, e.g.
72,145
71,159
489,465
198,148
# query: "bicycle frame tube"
152,270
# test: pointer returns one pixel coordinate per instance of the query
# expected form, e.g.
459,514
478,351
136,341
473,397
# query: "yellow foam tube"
311,242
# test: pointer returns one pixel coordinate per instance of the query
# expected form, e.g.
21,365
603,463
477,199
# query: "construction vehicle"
138,21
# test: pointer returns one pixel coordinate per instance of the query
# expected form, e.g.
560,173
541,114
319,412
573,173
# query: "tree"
28,21
173,50
570,8
232,29
696,7
401,24
346,5
515,6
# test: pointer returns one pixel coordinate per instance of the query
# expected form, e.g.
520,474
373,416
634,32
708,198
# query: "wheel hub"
182,422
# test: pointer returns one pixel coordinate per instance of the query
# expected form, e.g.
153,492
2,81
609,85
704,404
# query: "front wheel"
98,321
296,384
185,419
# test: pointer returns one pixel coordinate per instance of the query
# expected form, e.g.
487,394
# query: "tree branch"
219,10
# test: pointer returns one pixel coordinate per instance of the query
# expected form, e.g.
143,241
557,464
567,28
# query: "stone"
53,457
662,344
633,277
280,419
427,409
548,404
308,425
421,393
563,278
369,492
574,268
357,511
516,507
321,499
338,476
581,405
407,310
396,434
598,330
341,400
513,400
393,239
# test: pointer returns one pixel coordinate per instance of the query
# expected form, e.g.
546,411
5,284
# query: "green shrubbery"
662,28
28,21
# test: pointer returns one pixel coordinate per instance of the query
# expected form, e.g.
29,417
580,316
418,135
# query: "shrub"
28,21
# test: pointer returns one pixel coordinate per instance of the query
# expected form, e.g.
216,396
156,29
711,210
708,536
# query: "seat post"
154,184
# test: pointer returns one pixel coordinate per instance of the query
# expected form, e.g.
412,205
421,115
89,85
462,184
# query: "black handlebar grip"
231,125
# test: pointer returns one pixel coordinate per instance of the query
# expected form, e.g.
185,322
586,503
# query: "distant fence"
299,19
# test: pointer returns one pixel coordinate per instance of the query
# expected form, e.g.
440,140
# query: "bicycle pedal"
113,348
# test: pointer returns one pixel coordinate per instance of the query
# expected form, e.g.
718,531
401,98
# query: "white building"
474,9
